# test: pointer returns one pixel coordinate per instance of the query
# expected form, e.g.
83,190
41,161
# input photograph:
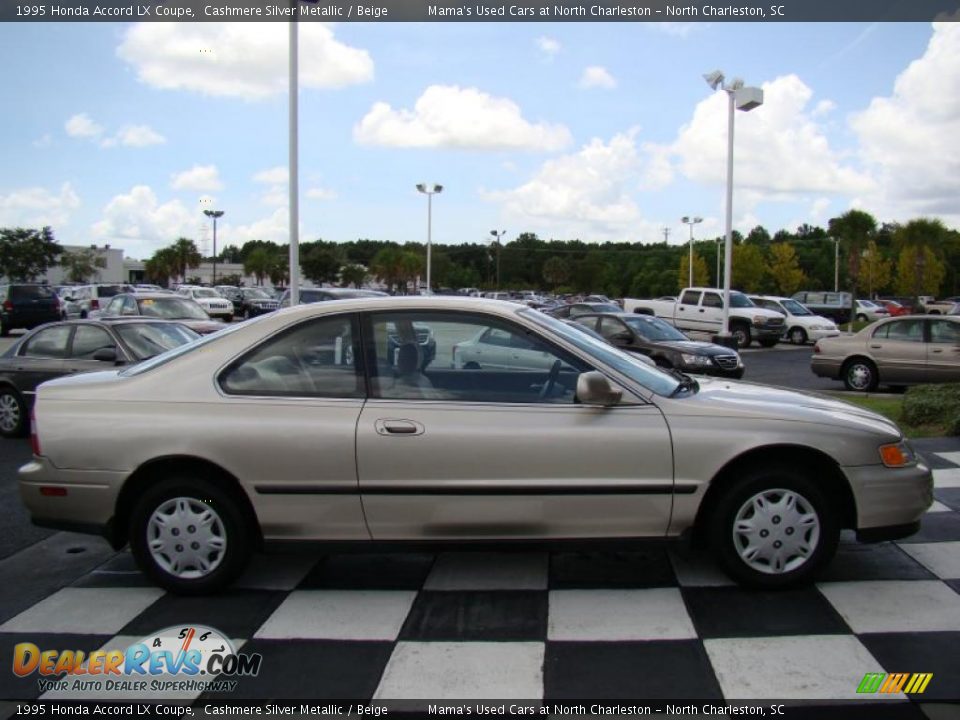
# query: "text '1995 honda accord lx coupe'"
323,423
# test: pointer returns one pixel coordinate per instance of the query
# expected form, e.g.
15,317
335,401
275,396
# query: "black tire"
230,523
228,318
769,342
860,375
4,330
742,334
736,510
861,318
83,314
798,336
13,414
246,314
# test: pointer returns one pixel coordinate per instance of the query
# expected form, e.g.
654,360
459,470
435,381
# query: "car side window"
944,332
611,326
690,297
49,343
449,356
901,330
712,300
115,306
317,358
88,339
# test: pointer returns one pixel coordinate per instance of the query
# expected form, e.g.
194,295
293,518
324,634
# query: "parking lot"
644,622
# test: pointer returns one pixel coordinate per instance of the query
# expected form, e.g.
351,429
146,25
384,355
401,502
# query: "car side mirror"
106,354
593,388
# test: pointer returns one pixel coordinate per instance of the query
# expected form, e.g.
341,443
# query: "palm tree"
187,255
259,263
387,266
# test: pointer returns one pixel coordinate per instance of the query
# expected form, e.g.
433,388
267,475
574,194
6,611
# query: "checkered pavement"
658,623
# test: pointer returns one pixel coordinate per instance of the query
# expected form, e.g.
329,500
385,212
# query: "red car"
893,307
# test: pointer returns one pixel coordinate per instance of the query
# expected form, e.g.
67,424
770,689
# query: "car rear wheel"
13,414
774,529
860,375
798,336
189,536
742,335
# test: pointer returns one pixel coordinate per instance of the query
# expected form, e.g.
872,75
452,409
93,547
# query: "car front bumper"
890,501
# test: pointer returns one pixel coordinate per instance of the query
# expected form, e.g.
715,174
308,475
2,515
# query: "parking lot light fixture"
498,235
214,214
429,190
691,221
745,99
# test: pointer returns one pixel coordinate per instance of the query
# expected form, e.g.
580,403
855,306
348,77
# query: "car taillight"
34,438
8,306
816,347
94,304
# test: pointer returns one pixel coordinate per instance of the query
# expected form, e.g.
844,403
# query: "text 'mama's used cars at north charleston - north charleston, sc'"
74,346
898,351
594,444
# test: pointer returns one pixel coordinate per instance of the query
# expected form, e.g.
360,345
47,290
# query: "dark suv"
26,306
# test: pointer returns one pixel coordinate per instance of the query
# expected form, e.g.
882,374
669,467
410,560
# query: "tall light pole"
293,155
214,214
691,221
836,264
429,191
498,235
718,263
746,99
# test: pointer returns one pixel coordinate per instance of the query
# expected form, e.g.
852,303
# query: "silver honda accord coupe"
324,423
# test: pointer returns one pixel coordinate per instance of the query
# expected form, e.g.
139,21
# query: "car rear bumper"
86,501
826,367
890,500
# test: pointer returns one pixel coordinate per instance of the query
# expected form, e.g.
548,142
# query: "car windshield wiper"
687,383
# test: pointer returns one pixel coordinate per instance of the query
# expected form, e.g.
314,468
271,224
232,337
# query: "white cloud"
279,175
202,178
455,117
82,126
37,206
548,46
44,141
908,140
242,59
781,151
139,136
273,228
321,194
140,224
596,76
587,194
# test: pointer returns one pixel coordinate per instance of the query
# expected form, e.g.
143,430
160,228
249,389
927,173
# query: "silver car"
296,426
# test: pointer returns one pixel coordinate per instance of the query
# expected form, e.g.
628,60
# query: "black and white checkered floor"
656,623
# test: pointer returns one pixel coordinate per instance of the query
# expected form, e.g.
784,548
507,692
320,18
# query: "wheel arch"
825,473
159,468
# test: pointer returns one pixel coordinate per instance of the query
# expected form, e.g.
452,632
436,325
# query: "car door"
459,453
41,357
943,351
688,311
299,392
899,350
711,312
87,340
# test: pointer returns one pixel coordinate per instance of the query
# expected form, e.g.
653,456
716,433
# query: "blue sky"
123,133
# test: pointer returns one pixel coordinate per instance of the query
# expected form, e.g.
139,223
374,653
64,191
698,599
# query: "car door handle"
701,309
386,426
876,347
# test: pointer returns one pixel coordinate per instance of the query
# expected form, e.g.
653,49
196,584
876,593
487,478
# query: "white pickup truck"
701,310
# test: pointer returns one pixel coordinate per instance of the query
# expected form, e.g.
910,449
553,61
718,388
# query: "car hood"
730,398
697,347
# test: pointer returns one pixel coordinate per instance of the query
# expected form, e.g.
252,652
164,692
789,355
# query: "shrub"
926,404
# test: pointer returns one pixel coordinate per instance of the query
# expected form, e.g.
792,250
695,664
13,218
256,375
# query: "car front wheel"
774,529
189,536
798,336
742,335
860,375
13,414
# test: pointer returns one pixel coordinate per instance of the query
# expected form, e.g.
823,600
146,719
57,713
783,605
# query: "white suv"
216,305
801,324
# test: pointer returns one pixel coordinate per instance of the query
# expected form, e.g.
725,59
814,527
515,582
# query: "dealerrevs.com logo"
175,659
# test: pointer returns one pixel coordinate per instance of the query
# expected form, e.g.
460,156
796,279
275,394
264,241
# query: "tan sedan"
904,350
323,423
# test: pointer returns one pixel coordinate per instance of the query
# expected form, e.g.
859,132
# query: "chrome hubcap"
776,531
859,376
9,413
186,538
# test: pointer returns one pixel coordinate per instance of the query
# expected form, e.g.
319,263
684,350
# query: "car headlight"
897,455
695,360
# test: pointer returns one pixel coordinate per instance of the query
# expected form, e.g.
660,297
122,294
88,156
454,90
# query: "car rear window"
30,292
111,290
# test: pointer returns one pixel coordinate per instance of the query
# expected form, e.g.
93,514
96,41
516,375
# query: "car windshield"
739,300
256,294
207,293
149,339
645,375
866,303
795,308
171,308
654,329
